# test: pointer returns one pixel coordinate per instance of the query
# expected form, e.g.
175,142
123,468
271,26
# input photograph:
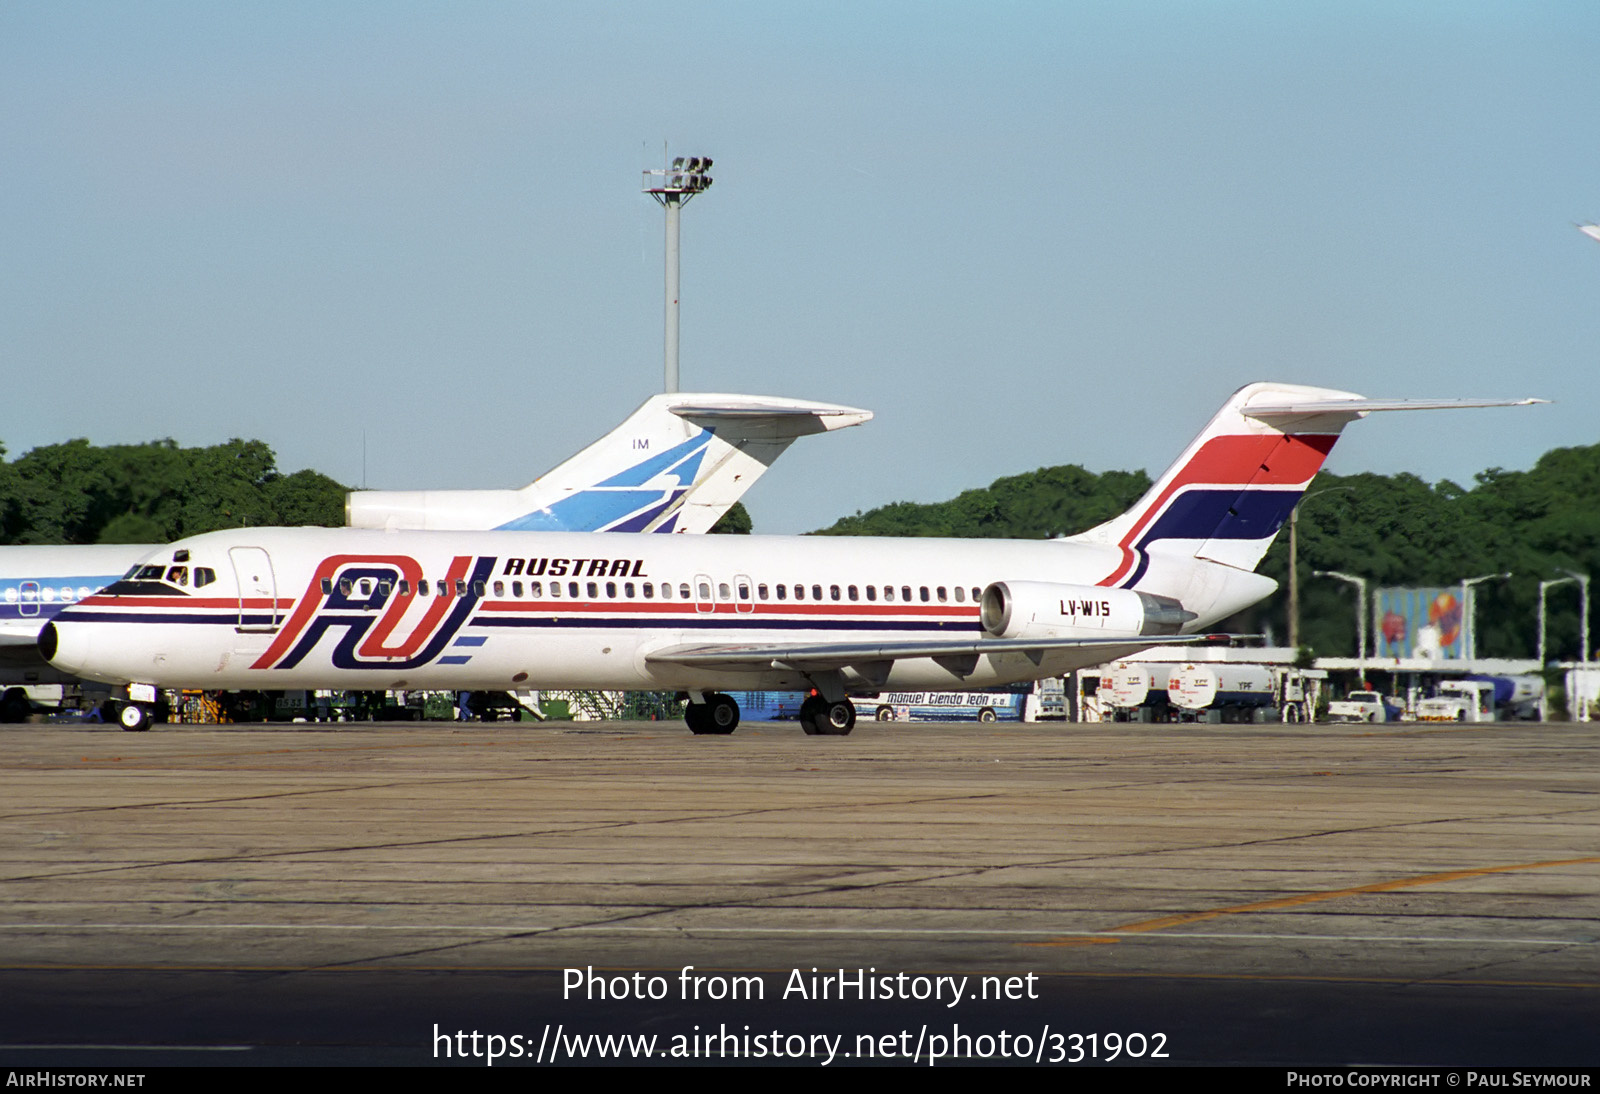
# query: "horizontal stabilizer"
789,415
1361,407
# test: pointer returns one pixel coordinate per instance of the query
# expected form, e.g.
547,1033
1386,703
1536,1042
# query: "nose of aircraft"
65,645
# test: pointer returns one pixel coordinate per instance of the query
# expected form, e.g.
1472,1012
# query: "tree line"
1391,529
155,492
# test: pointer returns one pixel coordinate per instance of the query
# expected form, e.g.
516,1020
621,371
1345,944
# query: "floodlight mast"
673,186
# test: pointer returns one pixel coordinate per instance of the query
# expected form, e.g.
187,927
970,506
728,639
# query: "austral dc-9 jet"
503,610
676,464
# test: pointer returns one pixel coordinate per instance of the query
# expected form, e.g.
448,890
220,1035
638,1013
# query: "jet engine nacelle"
1045,609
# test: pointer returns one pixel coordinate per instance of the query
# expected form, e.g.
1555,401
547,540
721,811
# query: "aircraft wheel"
134,717
694,716
722,714
837,719
810,716
14,707
885,714
986,715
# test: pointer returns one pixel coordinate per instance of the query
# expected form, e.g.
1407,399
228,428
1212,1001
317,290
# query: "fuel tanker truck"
1222,692
1135,691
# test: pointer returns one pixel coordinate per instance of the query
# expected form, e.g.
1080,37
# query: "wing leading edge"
760,657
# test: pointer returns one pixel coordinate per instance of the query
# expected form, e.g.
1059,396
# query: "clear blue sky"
1024,234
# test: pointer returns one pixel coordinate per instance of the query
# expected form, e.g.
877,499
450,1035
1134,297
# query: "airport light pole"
673,187
1469,609
1294,565
1361,613
1543,586
1583,652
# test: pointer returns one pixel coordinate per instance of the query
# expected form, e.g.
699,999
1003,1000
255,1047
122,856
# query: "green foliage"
1053,501
1400,531
1392,530
155,492
735,522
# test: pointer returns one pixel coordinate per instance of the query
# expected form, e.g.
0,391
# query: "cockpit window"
178,575
203,576
146,573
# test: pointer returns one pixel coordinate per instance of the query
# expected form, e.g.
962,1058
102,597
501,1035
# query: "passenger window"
816,592
799,592
499,588
345,588
961,595
872,592
594,590
722,590
478,588
705,591
444,587
761,591
924,592
536,589
516,589
572,589
422,586
611,590
744,592
783,592
627,589
327,586
683,590
852,593
888,593
977,594
905,593
461,586
943,597
650,590
555,588
384,589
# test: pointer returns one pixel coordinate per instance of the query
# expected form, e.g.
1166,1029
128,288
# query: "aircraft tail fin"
674,465
1225,498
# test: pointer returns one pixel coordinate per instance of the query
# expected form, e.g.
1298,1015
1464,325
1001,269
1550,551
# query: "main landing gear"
818,717
718,715
133,717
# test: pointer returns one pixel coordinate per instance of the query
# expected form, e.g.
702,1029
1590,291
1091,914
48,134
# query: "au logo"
373,603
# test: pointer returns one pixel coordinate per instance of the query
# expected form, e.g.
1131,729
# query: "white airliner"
676,464
344,608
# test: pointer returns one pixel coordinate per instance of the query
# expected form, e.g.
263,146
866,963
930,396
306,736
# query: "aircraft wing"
21,632
759,657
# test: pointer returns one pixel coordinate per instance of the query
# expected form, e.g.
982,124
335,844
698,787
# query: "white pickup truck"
1363,706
